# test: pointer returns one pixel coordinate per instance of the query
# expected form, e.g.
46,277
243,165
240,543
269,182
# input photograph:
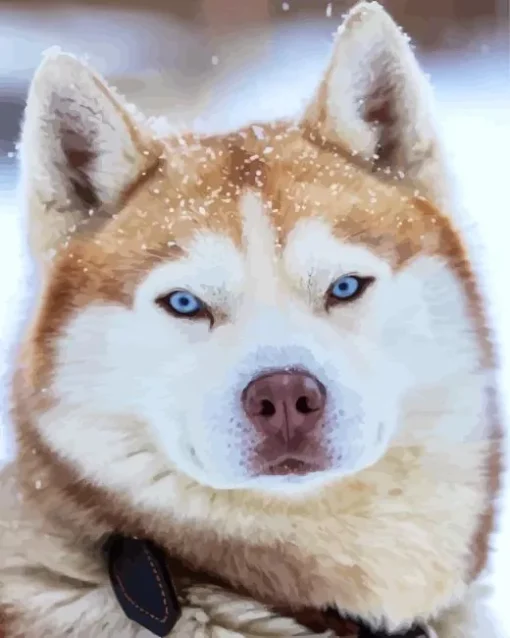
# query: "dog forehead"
253,188
200,183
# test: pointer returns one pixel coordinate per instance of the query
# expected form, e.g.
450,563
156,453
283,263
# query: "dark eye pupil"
183,302
347,287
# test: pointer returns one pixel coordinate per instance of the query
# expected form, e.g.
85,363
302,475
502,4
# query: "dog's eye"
182,303
347,288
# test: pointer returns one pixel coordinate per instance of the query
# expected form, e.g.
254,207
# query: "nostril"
285,404
303,406
267,408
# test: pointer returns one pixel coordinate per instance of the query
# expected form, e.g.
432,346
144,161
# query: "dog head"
260,310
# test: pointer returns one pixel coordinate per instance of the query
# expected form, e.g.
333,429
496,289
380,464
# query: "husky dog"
265,352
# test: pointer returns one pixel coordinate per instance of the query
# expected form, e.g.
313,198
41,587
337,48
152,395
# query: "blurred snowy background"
218,63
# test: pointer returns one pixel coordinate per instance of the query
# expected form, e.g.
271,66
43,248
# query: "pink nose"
289,405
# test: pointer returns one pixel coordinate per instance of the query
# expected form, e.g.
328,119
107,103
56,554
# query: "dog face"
252,311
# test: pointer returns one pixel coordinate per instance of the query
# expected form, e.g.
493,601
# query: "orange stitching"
156,574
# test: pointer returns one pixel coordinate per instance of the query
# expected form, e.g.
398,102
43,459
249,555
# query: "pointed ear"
81,148
377,103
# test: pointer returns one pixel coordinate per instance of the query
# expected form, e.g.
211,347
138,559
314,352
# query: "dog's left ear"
376,102
81,149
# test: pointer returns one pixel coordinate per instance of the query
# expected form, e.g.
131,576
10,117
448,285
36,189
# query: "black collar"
142,583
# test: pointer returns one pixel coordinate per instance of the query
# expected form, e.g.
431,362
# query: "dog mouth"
290,466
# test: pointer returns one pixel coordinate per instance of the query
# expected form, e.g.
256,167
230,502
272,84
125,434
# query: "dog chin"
286,485
284,479
292,485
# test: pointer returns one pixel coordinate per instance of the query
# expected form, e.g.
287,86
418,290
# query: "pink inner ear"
79,155
78,159
380,110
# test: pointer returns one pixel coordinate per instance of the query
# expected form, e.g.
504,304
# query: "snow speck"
258,131
329,10
215,60
285,6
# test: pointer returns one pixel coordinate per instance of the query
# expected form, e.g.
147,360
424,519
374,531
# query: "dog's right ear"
375,101
81,148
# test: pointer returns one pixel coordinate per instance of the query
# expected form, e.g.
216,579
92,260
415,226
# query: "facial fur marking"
260,243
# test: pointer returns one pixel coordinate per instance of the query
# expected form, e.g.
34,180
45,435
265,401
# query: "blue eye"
183,303
349,287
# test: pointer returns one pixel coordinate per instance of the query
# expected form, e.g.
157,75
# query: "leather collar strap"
143,586
142,583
